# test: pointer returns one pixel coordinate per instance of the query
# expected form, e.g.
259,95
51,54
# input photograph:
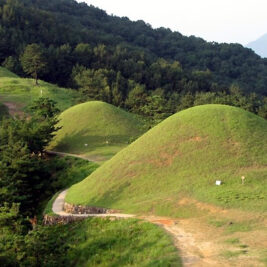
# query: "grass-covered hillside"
96,130
181,158
6,73
20,91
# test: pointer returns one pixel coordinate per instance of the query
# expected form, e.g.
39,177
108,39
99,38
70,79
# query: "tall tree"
33,61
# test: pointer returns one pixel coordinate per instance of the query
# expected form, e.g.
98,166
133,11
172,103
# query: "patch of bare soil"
200,244
193,249
14,109
93,158
201,206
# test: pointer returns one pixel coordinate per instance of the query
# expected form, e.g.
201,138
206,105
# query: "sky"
230,21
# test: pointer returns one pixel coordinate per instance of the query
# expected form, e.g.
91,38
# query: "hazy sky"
238,21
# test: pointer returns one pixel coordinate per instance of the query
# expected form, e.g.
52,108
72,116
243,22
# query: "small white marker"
218,182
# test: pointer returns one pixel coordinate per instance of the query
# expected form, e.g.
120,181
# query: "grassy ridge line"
183,156
96,130
23,91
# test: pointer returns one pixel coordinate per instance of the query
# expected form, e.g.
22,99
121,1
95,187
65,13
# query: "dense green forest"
129,64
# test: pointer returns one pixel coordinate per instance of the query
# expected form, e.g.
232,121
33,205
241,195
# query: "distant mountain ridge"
74,33
259,46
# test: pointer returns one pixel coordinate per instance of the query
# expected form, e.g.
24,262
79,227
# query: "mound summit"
182,157
96,129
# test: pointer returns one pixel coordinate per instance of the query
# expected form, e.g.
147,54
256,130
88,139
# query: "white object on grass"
218,182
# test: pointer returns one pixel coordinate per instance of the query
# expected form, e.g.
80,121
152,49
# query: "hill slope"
6,73
183,157
96,129
21,91
259,46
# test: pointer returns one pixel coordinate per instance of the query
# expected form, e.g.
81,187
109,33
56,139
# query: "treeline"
119,44
101,75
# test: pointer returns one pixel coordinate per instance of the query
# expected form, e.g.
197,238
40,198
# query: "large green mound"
21,92
181,158
96,130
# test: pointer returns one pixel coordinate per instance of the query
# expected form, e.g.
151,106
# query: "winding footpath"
192,252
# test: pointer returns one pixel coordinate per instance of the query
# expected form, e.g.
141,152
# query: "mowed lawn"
183,157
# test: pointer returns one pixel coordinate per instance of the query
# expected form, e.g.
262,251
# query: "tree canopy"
33,61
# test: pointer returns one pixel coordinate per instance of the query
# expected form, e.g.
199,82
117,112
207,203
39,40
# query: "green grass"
96,130
6,73
48,209
183,157
102,242
66,172
232,241
231,254
24,91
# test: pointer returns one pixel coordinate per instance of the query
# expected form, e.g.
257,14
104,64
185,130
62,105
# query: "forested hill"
108,56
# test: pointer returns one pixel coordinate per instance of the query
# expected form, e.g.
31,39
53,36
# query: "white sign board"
218,182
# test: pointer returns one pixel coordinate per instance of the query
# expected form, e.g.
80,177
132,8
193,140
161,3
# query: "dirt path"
95,159
14,109
192,252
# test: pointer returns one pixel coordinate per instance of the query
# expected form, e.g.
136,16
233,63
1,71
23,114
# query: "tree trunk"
36,78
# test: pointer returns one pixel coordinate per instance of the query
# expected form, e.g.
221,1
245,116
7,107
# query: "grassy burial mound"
21,92
181,158
96,130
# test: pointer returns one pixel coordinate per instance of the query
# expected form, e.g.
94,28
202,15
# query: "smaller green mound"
101,242
180,159
96,130
6,73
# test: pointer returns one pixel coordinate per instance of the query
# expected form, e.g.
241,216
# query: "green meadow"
23,91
